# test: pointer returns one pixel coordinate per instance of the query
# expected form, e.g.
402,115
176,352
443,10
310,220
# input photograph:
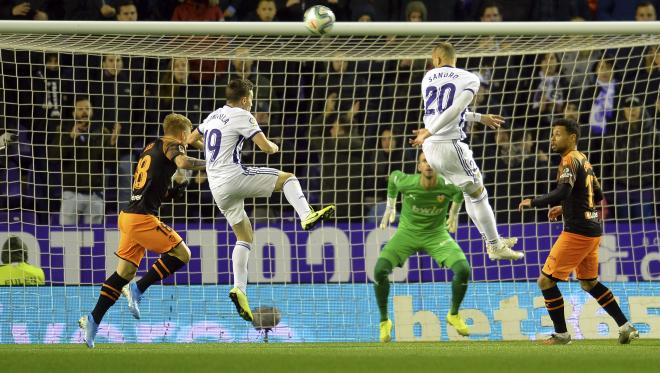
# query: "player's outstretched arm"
195,140
189,163
492,121
557,195
463,100
264,144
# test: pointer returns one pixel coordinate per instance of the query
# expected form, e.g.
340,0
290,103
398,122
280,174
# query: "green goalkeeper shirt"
423,210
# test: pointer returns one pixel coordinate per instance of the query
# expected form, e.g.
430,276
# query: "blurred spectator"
341,154
599,99
16,270
243,66
388,157
89,10
50,93
645,11
25,10
203,70
6,138
291,11
377,10
576,67
604,95
548,88
364,13
266,11
624,10
178,93
115,94
490,12
416,12
644,79
439,11
481,137
198,10
338,7
633,183
83,148
405,98
126,11
509,10
555,10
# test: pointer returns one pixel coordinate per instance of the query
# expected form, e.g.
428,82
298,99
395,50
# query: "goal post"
342,108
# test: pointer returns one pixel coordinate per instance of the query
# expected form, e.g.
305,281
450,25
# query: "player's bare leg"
289,184
239,258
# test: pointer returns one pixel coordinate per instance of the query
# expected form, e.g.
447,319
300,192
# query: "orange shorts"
573,252
139,232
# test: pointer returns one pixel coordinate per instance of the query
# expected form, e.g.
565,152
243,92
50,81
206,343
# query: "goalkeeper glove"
176,190
452,220
390,213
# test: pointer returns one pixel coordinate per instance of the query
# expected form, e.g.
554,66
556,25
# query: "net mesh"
342,109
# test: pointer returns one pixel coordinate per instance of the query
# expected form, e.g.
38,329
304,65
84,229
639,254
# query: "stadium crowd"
74,124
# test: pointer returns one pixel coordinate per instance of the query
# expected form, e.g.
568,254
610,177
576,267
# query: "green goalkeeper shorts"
440,246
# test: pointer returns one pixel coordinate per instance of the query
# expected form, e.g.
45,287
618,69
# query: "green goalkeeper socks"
459,284
382,285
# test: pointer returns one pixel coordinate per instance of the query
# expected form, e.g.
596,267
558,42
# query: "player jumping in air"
447,93
576,249
426,199
223,133
141,230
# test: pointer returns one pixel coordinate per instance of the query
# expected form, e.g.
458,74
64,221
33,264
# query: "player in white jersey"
447,93
223,133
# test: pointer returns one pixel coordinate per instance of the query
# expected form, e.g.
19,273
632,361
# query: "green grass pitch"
581,356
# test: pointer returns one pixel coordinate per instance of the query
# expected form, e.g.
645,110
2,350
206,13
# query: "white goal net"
341,108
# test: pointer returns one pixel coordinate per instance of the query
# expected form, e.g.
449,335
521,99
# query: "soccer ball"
319,19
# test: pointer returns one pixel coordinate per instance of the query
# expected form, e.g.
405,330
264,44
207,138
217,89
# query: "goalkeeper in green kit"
423,226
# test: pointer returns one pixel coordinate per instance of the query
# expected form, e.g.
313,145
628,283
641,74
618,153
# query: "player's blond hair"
175,123
445,51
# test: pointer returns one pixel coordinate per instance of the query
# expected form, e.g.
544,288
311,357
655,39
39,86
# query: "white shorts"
252,182
453,160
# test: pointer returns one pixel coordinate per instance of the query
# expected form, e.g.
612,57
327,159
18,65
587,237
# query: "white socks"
294,194
239,260
482,216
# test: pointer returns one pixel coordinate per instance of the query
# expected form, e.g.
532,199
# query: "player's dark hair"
14,250
238,88
487,4
571,126
122,3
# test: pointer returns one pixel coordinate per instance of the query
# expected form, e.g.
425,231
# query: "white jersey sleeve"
441,89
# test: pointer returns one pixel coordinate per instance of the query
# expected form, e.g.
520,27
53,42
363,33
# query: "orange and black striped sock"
110,292
163,267
554,303
605,298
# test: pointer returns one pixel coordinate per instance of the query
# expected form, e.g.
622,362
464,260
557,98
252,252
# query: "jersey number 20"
444,95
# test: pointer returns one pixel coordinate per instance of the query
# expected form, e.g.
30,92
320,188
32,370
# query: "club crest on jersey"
252,121
441,198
